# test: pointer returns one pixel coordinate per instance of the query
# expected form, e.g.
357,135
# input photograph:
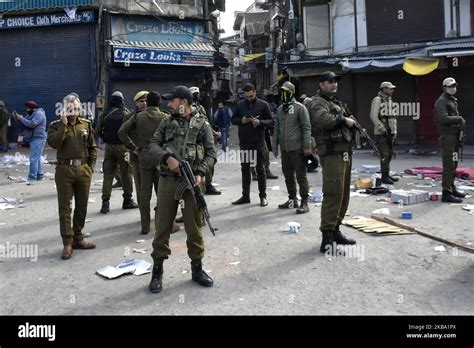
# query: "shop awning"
173,53
419,67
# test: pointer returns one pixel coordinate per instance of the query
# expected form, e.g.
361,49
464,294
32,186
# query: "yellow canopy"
249,57
420,67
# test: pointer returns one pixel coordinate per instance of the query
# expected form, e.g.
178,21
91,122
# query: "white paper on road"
469,207
6,206
134,266
275,188
465,188
439,248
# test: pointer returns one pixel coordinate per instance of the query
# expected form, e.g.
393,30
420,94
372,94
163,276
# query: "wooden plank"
425,234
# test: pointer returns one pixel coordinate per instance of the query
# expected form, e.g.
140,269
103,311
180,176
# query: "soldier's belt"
170,175
72,162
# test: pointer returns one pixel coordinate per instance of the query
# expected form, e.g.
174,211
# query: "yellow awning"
249,57
420,67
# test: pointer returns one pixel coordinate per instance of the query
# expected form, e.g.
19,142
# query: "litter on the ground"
234,263
369,168
316,197
291,227
140,241
274,188
382,211
134,266
439,248
373,226
409,197
140,251
17,179
468,207
184,271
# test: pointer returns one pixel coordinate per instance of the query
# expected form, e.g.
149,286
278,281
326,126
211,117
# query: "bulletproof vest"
112,123
338,135
185,138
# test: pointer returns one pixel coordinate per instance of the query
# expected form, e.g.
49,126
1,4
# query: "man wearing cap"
34,133
115,153
210,189
252,115
292,133
144,125
3,126
185,135
332,122
140,100
73,138
450,125
385,128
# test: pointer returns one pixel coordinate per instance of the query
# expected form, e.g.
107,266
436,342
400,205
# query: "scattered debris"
92,200
184,271
382,211
234,263
17,179
274,188
469,207
369,225
407,215
409,197
291,227
140,251
440,248
140,241
369,168
363,184
316,197
134,266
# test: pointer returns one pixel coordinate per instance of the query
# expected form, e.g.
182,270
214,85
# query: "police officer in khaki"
385,128
450,125
185,135
140,105
210,189
73,139
332,122
115,153
292,133
144,125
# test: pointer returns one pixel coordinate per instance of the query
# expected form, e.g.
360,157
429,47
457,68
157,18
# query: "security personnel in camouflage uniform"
115,152
292,132
334,141
183,136
73,139
144,125
450,125
210,190
385,128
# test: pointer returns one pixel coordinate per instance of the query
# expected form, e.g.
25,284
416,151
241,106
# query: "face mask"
451,90
287,96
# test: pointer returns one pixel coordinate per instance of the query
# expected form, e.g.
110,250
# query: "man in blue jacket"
34,133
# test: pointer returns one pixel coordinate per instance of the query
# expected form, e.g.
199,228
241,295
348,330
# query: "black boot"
304,208
270,175
128,203
457,193
448,197
211,190
105,207
291,203
339,238
386,180
200,276
157,276
242,200
329,246
327,241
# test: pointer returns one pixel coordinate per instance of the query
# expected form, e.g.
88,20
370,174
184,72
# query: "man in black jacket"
252,115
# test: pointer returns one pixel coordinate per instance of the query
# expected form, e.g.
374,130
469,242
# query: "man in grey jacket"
35,134
385,127
292,132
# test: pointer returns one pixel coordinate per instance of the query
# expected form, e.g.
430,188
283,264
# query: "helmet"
311,162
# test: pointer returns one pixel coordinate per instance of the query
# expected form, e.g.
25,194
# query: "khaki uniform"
133,159
73,142
449,125
385,128
199,150
292,132
144,125
115,154
4,128
334,142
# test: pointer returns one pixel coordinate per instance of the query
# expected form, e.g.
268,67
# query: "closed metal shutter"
53,61
423,20
465,96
